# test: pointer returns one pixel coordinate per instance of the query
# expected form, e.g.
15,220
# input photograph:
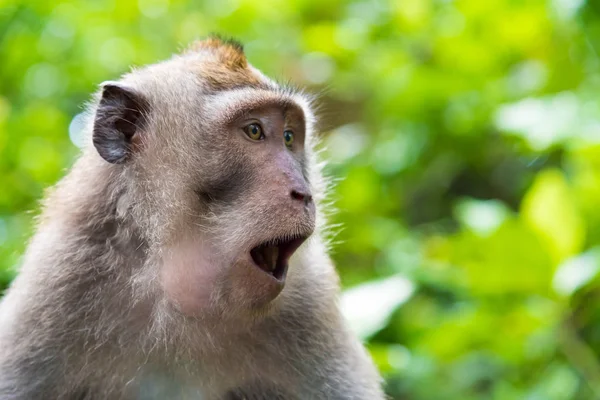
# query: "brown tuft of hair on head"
229,51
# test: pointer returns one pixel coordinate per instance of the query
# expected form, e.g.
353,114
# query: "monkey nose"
299,195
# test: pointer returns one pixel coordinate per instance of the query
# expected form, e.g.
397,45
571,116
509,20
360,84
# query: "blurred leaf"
368,307
512,259
482,217
549,209
577,271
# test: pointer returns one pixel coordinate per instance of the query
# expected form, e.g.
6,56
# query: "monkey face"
259,196
253,199
219,181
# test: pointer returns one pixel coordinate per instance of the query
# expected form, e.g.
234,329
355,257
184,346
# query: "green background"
464,137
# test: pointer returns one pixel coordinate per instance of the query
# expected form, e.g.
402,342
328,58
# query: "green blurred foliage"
466,138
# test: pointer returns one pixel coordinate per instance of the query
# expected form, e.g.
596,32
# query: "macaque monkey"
182,256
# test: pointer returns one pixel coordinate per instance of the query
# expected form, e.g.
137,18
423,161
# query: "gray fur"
89,315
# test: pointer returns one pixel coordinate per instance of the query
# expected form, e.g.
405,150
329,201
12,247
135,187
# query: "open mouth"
273,256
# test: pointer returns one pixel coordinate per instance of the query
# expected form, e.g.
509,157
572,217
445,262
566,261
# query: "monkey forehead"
232,104
222,66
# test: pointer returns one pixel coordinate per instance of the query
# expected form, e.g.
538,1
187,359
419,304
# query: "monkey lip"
273,256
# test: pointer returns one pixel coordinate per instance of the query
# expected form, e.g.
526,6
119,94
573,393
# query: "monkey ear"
119,117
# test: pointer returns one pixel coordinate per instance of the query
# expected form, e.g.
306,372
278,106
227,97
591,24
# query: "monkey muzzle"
273,256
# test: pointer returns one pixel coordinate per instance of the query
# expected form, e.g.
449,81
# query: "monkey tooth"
274,256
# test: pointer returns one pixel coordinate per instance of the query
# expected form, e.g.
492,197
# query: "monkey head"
212,160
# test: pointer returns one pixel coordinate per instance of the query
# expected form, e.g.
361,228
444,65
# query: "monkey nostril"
306,198
297,195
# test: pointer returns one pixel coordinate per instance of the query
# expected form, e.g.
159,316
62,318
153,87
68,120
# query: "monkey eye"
288,137
254,132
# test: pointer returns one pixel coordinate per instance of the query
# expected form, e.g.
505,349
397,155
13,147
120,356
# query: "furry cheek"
189,275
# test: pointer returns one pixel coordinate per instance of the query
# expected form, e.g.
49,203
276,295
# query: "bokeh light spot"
77,129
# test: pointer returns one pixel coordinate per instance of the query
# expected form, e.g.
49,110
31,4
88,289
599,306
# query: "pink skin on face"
189,274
